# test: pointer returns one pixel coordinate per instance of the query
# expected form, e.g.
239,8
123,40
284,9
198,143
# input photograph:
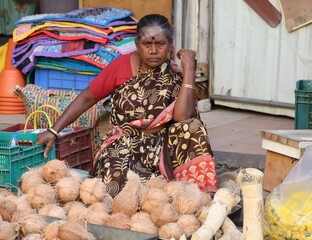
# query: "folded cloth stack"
82,41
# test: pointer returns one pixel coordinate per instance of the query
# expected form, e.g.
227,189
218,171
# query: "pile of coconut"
170,210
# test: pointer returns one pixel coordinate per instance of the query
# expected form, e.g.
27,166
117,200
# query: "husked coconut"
141,222
67,189
32,223
152,198
127,200
98,217
9,231
74,231
33,236
75,175
41,195
173,187
53,210
171,230
31,178
92,190
156,182
188,201
54,170
119,220
189,223
7,208
50,232
164,214
77,211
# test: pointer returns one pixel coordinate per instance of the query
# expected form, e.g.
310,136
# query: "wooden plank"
297,13
291,138
277,166
138,7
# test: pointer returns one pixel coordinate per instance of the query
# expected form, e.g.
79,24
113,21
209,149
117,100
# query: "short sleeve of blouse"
114,74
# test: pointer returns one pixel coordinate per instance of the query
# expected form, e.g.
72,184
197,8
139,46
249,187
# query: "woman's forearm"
82,102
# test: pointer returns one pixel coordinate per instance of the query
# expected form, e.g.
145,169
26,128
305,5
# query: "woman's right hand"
48,139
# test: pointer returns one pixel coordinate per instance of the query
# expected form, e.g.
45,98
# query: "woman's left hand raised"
187,58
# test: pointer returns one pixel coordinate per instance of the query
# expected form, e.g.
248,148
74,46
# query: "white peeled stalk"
223,202
230,231
250,181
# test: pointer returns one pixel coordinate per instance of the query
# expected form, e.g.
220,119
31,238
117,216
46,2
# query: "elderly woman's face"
153,46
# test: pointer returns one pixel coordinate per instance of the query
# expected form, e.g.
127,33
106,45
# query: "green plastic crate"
14,161
303,104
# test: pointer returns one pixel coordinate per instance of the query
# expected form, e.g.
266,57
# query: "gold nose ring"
150,51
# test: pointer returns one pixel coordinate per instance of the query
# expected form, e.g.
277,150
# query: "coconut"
143,188
32,223
171,230
5,192
22,203
205,199
33,236
53,210
41,195
189,223
31,178
9,231
7,208
173,187
54,170
74,231
51,230
119,220
75,175
67,189
141,222
92,190
156,182
20,214
127,200
99,207
68,205
188,201
164,214
152,198
77,211
98,217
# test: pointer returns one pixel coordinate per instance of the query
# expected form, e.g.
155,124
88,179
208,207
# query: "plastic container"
75,147
303,104
60,80
14,161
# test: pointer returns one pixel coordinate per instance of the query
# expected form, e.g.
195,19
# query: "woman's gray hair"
154,20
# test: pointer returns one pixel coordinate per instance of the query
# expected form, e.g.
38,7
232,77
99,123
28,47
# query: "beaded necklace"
140,67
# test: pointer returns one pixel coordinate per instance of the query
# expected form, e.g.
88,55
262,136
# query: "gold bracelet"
188,86
51,130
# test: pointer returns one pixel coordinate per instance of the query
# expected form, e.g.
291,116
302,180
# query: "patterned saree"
178,151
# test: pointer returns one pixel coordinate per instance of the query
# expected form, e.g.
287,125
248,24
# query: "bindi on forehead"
153,33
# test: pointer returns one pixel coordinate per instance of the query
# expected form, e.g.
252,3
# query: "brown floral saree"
179,150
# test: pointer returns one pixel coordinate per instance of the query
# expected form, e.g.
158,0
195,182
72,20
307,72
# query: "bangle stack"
51,130
186,85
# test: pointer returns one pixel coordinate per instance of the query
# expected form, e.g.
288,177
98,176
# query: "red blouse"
114,74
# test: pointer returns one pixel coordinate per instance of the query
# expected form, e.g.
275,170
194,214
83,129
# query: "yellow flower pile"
289,217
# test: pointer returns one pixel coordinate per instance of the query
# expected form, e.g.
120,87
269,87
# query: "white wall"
254,66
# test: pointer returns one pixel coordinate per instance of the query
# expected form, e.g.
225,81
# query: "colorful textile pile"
82,41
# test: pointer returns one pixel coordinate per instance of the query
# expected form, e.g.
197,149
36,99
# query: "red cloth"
114,74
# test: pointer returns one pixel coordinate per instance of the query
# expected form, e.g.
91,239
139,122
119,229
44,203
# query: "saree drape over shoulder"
178,151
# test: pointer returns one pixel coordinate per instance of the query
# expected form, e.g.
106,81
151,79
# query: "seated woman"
154,127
